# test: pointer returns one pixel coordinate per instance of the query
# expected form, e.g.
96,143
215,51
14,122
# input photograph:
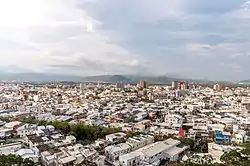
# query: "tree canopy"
13,160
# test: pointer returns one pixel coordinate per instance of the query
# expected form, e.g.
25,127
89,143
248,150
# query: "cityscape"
124,83
121,124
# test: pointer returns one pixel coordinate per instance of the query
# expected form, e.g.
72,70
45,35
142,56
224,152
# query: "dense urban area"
88,124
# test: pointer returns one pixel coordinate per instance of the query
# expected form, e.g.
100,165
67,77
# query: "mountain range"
245,82
133,79
130,79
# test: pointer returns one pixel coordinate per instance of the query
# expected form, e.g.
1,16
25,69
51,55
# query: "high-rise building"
183,86
217,87
142,84
23,94
81,87
174,84
120,85
178,85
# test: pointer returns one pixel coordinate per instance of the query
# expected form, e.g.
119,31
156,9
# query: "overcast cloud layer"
194,38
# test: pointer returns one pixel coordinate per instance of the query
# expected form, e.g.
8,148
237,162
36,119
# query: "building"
113,152
25,129
224,137
173,119
174,84
81,87
217,87
120,85
142,84
116,138
130,159
28,154
11,148
138,142
153,154
180,85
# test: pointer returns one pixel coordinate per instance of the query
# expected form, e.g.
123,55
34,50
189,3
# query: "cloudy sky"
192,38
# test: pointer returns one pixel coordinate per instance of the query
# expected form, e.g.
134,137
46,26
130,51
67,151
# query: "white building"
11,148
138,142
113,152
26,129
116,137
173,119
5,132
153,154
239,139
131,159
28,154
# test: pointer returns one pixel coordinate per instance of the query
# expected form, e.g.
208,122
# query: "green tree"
131,134
13,160
187,141
231,158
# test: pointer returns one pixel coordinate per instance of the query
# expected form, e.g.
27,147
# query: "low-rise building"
10,148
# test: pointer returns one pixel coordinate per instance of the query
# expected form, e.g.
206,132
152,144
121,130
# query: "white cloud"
110,36
197,47
61,35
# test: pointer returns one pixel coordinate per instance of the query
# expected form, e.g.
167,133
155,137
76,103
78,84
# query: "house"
64,159
93,156
34,140
6,132
140,116
139,128
47,158
153,154
116,137
11,148
130,159
28,153
140,141
71,139
113,152
25,129
239,139
173,119
224,137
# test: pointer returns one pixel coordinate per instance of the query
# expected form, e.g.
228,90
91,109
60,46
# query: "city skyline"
193,38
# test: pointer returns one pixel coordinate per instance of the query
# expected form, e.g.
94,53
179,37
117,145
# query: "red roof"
181,132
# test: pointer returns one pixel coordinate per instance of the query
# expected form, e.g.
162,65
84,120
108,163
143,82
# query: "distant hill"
133,79
129,79
244,82
107,78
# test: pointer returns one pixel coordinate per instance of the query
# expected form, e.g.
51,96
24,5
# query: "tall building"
174,84
81,87
23,94
180,85
183,86
142,84
120,85
217,87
